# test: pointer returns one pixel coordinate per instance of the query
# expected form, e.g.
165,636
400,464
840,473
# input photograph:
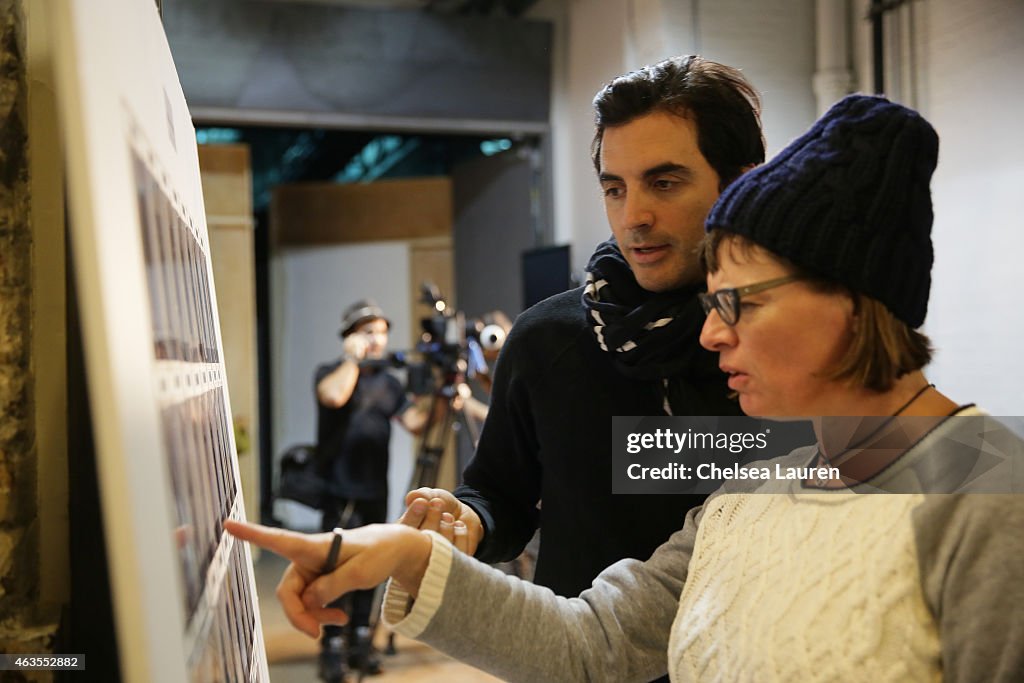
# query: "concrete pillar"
833,77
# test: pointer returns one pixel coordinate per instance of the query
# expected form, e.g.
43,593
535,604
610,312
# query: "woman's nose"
716,335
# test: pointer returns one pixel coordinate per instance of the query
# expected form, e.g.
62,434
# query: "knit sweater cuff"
408,616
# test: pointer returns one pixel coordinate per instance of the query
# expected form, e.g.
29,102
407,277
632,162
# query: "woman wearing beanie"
818,276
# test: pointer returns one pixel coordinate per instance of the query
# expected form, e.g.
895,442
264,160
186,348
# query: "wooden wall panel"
331,213
227,182
430,260
227,196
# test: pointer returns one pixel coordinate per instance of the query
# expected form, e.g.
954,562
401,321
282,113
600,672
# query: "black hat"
360,312
848,201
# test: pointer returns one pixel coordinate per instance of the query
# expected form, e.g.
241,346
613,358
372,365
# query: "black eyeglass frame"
727,301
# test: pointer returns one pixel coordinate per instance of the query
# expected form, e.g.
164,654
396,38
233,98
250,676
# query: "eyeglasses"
727,301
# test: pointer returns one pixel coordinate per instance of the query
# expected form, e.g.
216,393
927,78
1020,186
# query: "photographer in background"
356,400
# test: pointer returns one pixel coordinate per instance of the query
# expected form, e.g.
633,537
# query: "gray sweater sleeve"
971,557
617,630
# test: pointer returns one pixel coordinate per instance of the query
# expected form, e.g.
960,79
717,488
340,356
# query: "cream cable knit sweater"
856,613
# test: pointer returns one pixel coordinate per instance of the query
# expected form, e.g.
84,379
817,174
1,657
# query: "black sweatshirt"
548,437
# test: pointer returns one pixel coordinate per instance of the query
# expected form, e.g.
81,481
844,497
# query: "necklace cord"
920,392
829,459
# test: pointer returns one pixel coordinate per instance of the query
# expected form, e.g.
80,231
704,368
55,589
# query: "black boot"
362,656
332,660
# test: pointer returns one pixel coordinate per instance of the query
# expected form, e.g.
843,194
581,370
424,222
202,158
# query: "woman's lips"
738,380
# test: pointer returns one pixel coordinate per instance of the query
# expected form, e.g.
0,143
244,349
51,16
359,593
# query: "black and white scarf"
651,335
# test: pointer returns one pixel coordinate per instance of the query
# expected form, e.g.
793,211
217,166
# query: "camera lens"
492,337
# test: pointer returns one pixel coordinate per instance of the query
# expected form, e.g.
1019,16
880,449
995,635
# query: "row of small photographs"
227,649
202,475
176,274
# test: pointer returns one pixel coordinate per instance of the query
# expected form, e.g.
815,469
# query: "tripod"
452,418
447,416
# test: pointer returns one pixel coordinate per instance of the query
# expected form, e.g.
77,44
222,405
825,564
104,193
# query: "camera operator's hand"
438,510
355,347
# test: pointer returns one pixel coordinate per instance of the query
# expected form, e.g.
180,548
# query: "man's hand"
355,347
369,555
438,510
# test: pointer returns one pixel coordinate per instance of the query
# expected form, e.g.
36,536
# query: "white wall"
772,41
590,45
311,286
973,60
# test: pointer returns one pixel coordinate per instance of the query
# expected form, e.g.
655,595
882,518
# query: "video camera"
449,337
449,342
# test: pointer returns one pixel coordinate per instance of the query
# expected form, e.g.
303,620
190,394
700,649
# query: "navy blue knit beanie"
848,201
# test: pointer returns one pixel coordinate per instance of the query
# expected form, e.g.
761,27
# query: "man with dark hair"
669,138
724,104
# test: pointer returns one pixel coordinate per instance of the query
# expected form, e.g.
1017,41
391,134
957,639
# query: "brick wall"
20,627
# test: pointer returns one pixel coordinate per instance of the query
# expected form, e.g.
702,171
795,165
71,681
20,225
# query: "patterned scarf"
653,335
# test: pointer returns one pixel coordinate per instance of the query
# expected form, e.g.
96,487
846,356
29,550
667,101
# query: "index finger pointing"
306,550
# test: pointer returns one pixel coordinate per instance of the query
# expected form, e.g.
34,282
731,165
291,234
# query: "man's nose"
638,213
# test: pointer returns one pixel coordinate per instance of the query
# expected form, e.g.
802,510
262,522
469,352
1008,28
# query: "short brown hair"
882,348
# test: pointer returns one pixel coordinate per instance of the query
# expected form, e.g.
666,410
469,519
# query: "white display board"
183,590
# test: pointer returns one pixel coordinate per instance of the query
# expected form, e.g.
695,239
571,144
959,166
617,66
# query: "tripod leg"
434,440
471,424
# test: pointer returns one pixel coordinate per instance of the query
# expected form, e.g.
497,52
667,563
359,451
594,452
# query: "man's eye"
664,184
613,192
